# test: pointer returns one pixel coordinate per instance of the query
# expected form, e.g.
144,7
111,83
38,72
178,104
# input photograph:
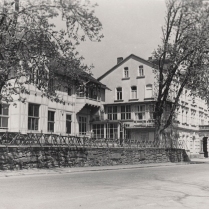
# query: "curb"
72,170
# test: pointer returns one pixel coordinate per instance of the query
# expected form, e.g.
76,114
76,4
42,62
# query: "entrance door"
205,149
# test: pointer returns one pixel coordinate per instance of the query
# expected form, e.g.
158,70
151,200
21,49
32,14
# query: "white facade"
41,115
132,81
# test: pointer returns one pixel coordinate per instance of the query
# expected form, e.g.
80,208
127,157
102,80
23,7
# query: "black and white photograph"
104,104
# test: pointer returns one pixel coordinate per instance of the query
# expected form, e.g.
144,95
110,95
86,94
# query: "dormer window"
126,73
141,70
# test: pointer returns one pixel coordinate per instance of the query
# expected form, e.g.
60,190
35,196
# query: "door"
205,149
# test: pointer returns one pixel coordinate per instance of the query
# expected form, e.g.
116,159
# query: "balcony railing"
81,95
204,127
97,99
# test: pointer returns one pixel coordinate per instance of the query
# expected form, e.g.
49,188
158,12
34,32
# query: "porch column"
105,130
118,130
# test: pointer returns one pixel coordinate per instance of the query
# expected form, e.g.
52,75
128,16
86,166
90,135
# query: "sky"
129,27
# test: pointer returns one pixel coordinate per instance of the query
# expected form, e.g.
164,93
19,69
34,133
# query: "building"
41,115
124,110
129,106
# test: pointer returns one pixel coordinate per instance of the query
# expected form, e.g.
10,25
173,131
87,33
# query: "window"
141,70
193,117
126,75
112,113
112,131
82,125
33,117
51,85
35,76
81,91
98,130
125,112
148,93
119,93
150,111
201,118
69,91
140,112
127,133
68,124
133,92
51,121
4,115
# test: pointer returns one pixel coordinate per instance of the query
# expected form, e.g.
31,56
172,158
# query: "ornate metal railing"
43,140
203,127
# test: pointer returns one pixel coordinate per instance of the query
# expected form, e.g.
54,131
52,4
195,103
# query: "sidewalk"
200,160
70,170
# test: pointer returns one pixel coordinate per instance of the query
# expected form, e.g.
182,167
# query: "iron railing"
51,140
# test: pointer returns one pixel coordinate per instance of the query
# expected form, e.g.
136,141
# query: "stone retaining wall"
47,157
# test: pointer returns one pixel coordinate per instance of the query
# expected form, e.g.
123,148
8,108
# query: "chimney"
119,59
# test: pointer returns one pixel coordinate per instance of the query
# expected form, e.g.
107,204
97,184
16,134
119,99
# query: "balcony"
83,101
90,100
204,127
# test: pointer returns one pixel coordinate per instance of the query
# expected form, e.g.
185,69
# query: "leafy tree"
33,50
182,58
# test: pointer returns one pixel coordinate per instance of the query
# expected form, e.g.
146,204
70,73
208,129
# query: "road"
179,186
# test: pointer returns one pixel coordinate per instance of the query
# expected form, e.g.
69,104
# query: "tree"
33,50
182,58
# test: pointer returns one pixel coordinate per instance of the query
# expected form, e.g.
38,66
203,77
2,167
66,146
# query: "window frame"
126,72
69,91
133,92
148,89
141,111
33,119
150,109
125,112
112,112
119,93
98,130
82,123
68,121
51,123
4,117
141,70
112,130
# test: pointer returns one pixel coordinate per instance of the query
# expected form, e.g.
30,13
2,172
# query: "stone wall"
47,157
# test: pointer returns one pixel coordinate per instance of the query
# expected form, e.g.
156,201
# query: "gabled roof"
132,56
61,69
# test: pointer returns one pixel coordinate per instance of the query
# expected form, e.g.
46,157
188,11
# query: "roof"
61,69
131,56
94,80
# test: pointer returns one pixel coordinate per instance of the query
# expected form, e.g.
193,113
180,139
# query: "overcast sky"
129,27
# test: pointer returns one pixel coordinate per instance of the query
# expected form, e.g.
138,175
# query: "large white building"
40,114
123,110
129,106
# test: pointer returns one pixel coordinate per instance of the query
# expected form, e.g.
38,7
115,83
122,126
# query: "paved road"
179,186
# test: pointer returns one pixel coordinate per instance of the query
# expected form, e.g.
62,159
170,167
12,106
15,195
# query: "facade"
41,115
124,110
129,106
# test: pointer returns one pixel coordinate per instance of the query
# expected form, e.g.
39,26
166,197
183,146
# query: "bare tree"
33,50
182,58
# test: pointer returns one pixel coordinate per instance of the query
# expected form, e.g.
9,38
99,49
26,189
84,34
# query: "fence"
51,140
